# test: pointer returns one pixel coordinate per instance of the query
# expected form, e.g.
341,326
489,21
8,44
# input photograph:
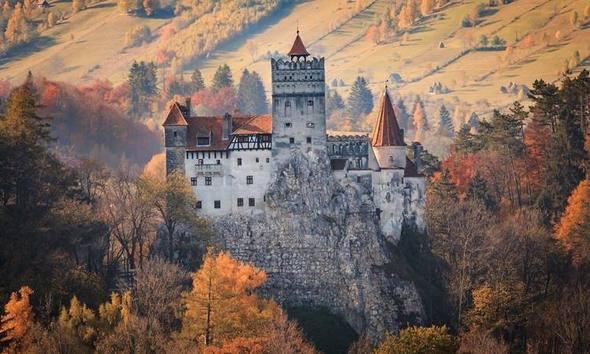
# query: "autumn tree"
417,340
77,327
18,317
573,230
18,29
78,5
426,7
420,121
222,306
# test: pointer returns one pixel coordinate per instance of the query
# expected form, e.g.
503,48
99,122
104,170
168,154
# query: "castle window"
217,204
239,161
310,103
310,124
288,125
202,141
208,181
251,202
309,139
219,162
267,160
257,160
193,181
291,140
240,202
287,108
175,134
249,179
200,161
199,204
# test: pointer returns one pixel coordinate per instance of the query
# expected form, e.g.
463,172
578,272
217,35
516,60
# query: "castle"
230,160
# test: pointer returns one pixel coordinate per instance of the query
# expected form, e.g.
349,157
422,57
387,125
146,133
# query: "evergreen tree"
478,190
473,121
222,78
445,123
142,81
360,101
334,102
251,96
401,112
465,142
197,81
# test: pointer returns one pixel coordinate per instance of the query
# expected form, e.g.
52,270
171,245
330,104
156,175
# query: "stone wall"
320,244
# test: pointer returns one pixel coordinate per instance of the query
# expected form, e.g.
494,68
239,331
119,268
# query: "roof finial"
297,27
386,83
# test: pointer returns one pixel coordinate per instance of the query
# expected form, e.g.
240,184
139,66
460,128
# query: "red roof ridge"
175,116
298,48
386,131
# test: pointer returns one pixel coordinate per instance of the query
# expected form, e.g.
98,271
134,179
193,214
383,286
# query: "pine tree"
445,124
251,96
360,101
142,81
420,121
18,317
197,81
478,190
402,115
473,121
334,102
222,78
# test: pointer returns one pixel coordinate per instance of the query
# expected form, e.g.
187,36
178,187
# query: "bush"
418,340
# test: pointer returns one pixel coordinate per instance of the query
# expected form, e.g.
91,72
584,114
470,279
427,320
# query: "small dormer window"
203,141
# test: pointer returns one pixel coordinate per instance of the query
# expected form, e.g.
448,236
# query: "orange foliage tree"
18,318
223,314
573,230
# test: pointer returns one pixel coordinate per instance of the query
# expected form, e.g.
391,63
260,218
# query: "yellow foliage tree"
573,230
418,340
18,316
426,7
222,305
78,323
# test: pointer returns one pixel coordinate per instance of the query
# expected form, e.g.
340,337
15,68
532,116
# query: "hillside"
539,34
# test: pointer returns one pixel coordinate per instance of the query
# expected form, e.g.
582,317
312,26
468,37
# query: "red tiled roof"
386,130
213,126
298,48
254,125
175,116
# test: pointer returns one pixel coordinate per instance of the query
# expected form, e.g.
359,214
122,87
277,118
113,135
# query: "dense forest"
113,258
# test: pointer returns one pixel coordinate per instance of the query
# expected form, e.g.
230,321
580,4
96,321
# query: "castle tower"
298,103
175,137
389,165
387,138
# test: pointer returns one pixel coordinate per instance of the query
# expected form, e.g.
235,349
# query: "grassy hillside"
472,77
91,44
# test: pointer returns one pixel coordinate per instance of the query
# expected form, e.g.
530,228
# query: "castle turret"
175,137
298,103
387,138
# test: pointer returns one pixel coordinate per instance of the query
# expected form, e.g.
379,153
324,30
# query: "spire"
386,131
298,48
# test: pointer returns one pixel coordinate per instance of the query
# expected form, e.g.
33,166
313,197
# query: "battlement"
301,64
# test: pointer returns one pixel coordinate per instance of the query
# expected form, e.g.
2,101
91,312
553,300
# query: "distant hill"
437,57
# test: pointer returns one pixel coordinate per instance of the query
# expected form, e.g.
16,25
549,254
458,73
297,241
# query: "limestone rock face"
320,244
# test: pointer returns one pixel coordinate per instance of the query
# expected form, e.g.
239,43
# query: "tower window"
291,140
288,125
208,181
310,124
310,103
175,134
193,181
249,179
308,139
199,204
217,204
219,162
200,161
251,202
239,161
257,160
240,202
267,160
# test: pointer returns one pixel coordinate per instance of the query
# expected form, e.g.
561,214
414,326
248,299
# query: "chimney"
188,106
227,126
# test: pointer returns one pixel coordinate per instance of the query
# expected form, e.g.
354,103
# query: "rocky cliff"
320,244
